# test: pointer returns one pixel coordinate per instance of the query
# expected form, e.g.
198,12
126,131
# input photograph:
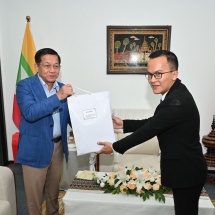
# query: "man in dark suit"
43,131
176,124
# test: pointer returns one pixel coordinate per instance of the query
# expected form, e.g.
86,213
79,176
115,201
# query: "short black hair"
171,58
45,51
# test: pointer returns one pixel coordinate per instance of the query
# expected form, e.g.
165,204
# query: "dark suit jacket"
176,124
35,147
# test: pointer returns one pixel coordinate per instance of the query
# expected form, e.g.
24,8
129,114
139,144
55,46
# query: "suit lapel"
40,94
38,88
62,104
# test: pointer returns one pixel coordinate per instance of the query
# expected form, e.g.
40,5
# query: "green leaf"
150,193
144,198
163,198
159,196
108,191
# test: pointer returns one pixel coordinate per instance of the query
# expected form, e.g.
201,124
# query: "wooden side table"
97,163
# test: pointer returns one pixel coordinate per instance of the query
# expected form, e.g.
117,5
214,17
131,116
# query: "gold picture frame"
128,47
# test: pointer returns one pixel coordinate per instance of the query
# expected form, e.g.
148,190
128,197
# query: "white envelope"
91,120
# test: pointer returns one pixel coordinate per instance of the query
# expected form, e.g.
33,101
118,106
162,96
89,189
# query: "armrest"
7,187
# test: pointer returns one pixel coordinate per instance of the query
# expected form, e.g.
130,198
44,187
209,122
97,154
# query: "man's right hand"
65,91
117,122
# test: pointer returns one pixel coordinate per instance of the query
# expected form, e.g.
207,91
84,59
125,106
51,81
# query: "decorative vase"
209,143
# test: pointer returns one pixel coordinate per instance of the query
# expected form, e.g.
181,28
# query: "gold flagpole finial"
28,18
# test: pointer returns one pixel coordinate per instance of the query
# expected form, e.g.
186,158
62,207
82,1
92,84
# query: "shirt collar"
163,96
55,85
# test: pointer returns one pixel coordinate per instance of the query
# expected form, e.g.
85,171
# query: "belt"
56,139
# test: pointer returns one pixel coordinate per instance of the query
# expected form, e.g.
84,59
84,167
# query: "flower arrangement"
135,181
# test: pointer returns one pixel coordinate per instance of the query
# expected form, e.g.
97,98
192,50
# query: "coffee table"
91,202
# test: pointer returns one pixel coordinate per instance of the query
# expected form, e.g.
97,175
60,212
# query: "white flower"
140,180
105,178
134,180
122,176
100,179
128,168
102,184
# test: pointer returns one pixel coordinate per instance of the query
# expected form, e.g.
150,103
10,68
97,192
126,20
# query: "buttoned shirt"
56,114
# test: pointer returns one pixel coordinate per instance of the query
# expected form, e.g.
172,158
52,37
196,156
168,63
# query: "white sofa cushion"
5,207
144,155
140,160
7,190
149,147
133,113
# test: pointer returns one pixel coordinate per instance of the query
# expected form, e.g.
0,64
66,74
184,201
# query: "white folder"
91,120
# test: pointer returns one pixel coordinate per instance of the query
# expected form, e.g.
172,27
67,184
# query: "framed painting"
128,47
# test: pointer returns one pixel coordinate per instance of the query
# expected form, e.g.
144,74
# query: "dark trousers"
186,200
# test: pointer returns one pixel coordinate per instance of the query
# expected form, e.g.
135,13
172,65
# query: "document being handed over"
91,120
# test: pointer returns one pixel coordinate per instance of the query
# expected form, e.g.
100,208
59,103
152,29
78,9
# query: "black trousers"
186,200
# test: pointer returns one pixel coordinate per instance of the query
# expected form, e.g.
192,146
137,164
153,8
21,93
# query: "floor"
20,193
21,200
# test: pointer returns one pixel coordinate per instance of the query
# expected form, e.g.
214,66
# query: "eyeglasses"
156,75
48,66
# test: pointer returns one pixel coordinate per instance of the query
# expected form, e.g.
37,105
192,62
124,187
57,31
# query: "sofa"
145,155
7,192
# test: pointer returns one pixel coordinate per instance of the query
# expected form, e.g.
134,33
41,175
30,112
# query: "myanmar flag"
26,66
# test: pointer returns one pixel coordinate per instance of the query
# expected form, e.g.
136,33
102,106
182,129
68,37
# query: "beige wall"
77,30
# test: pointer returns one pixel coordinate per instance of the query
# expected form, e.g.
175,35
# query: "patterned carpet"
61,208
